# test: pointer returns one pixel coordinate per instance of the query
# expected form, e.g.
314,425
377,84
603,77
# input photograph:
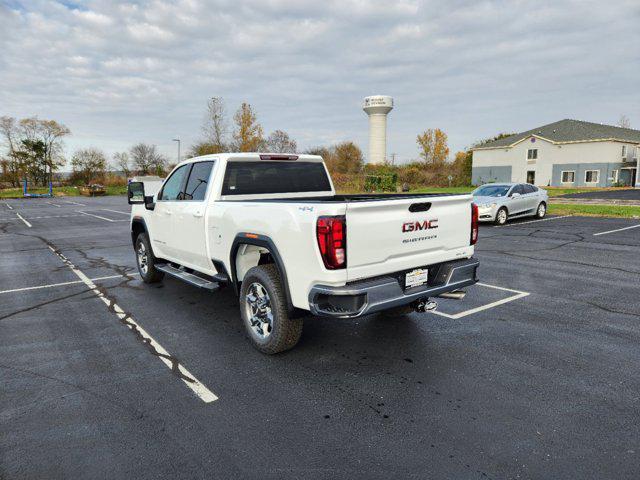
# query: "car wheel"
501,216
146,261
263,307
542,210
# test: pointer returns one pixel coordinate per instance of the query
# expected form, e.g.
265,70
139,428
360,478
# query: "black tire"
541,211
151,274
276,333
501,216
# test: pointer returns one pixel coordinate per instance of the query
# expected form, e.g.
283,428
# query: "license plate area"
416,278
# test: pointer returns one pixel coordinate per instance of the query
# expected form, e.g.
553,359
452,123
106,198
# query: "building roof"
568,130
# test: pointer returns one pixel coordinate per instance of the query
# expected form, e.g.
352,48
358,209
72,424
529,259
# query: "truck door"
163,217
189,235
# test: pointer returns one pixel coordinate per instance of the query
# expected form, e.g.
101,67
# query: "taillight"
332,241
474,224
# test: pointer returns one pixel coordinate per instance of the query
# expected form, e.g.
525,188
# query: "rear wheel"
263,307
542,210
146,261
501,216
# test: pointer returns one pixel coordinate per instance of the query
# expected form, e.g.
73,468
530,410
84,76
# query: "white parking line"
189,380
456,316
617,230
532,221
74,203
9,206
54,204
25,222
115,211
97,216
52,285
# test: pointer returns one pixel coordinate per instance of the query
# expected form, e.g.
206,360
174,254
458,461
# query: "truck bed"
349,198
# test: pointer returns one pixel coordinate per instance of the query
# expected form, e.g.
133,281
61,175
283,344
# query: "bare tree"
214,126
148,160
88,165
122,162
624,121
280,142
34,147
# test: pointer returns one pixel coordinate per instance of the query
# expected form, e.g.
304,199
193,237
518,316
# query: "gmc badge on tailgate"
416,226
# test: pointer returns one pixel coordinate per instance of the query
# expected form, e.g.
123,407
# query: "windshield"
491,191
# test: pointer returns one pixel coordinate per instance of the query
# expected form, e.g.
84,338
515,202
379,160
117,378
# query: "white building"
568,153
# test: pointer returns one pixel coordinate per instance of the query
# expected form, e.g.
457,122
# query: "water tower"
377,107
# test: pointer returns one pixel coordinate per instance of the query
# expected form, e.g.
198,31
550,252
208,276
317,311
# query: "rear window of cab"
264,177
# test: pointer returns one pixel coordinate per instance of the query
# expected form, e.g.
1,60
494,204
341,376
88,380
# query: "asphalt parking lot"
535,374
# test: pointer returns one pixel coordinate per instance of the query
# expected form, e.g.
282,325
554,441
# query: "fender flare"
138,221
259,241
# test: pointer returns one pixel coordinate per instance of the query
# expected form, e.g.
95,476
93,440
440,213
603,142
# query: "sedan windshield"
491,191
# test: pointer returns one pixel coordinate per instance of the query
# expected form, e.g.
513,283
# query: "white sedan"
498,202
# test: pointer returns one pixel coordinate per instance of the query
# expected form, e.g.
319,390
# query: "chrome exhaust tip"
454,295
425,305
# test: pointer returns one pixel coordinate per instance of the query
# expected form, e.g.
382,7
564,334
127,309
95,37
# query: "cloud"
122,72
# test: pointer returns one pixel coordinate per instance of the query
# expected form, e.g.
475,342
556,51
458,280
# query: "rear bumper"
373,295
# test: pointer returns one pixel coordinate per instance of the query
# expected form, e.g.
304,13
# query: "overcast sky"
117,73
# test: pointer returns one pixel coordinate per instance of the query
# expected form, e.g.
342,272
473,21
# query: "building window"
592,176
568,177
532,154
624,151
614,176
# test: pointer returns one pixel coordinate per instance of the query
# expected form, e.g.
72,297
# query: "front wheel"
501,216
263,307
146,261
542,210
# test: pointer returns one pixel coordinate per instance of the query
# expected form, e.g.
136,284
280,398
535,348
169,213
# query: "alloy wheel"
143,258
258,309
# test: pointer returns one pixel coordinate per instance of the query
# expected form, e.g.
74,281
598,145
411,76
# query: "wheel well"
248,252
249,256
505,209
137,227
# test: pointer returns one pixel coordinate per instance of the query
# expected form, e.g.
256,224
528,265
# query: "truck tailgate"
385,236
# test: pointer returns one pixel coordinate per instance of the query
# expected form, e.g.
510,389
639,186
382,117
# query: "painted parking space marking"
25,222
517,295
9,206
63,284
532,221
116,211
616,230
74,203
96,216
55,204
170,361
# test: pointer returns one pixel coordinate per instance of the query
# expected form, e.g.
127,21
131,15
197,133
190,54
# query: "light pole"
178,140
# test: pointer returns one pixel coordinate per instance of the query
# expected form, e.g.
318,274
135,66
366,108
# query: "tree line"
35,151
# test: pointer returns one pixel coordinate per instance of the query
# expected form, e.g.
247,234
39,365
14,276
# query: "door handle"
197,214
168,212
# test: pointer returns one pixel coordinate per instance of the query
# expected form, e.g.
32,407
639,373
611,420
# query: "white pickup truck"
272,227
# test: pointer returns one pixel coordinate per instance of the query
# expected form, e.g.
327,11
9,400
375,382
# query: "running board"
189,277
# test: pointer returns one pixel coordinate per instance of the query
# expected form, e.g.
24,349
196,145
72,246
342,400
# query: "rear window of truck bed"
263,177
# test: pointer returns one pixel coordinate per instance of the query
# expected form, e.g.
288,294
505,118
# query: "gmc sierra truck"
272,228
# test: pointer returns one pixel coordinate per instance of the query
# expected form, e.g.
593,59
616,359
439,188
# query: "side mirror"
135,193
515,195
149,204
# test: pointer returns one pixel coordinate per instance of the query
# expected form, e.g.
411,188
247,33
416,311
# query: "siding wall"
605,169
604,156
